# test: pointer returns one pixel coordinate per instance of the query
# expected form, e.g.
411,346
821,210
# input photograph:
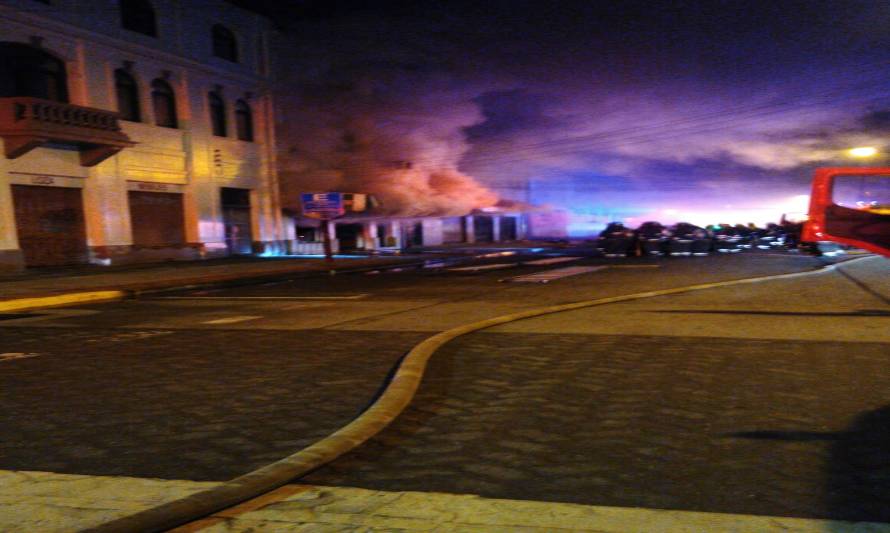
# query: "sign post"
324,206
326,239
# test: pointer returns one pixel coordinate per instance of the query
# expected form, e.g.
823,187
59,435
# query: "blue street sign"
324,205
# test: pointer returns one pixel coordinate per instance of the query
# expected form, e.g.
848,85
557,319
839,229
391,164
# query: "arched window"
224,43
138,16
164,101
26,70
243,121
217,114
127,96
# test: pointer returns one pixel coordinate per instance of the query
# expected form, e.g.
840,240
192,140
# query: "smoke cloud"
605,107
385,131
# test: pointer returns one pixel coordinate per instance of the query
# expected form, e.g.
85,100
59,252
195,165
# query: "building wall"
436,231
432,231
188,160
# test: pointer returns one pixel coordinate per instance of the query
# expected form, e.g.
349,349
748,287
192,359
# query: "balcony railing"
26,123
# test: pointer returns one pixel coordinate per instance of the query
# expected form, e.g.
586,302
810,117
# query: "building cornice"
50,25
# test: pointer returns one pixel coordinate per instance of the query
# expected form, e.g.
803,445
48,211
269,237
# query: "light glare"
863,151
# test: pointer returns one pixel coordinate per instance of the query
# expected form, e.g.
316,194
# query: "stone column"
332,232
394,230
369,235
10,255
107,213
469,230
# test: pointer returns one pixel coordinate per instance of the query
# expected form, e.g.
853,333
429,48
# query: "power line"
702,123
732,113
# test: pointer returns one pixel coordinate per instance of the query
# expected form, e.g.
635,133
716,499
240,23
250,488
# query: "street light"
863,151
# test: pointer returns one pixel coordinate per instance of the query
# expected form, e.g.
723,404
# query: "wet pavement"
764,399
184,404
720,425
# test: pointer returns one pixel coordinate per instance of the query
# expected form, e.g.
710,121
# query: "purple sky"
608,109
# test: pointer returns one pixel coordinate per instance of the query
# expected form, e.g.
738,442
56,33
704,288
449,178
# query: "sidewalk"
136,278
41,501
61,286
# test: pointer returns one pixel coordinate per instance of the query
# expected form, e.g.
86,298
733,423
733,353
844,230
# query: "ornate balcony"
26,123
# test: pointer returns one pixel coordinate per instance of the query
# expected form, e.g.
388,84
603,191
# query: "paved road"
605,405
181,404
773,416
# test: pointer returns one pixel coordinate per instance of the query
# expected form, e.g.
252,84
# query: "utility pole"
328,248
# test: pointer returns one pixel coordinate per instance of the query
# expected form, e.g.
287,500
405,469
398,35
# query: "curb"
395,398
28,303
38,302
284,275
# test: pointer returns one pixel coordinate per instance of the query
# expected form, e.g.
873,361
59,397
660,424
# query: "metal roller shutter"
157,218
50,223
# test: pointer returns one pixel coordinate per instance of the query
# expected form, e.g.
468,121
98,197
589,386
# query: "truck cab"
851,206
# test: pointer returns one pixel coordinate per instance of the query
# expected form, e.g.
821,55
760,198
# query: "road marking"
12,356
48,315
482,267
304,305
785,255
130,336
551,260
498,254
351,297
25,304
231,319
549,275
390,404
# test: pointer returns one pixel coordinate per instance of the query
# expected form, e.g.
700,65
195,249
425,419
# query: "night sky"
708,111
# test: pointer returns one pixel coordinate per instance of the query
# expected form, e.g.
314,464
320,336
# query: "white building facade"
134,131
369,232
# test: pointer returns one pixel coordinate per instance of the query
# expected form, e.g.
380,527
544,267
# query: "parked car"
748,235
688,239
792,234
651,238
727,239
616,241
772,237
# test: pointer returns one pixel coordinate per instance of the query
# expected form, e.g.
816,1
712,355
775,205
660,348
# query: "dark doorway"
508,228
308,234
413,234
381,235
348,236
236,218
483,228
50,224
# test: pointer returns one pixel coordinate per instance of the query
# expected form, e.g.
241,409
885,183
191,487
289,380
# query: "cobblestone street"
723,425
763,398
201,405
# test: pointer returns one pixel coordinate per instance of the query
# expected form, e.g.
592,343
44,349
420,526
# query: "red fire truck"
851,206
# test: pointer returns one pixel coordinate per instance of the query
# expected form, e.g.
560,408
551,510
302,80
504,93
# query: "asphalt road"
762,399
